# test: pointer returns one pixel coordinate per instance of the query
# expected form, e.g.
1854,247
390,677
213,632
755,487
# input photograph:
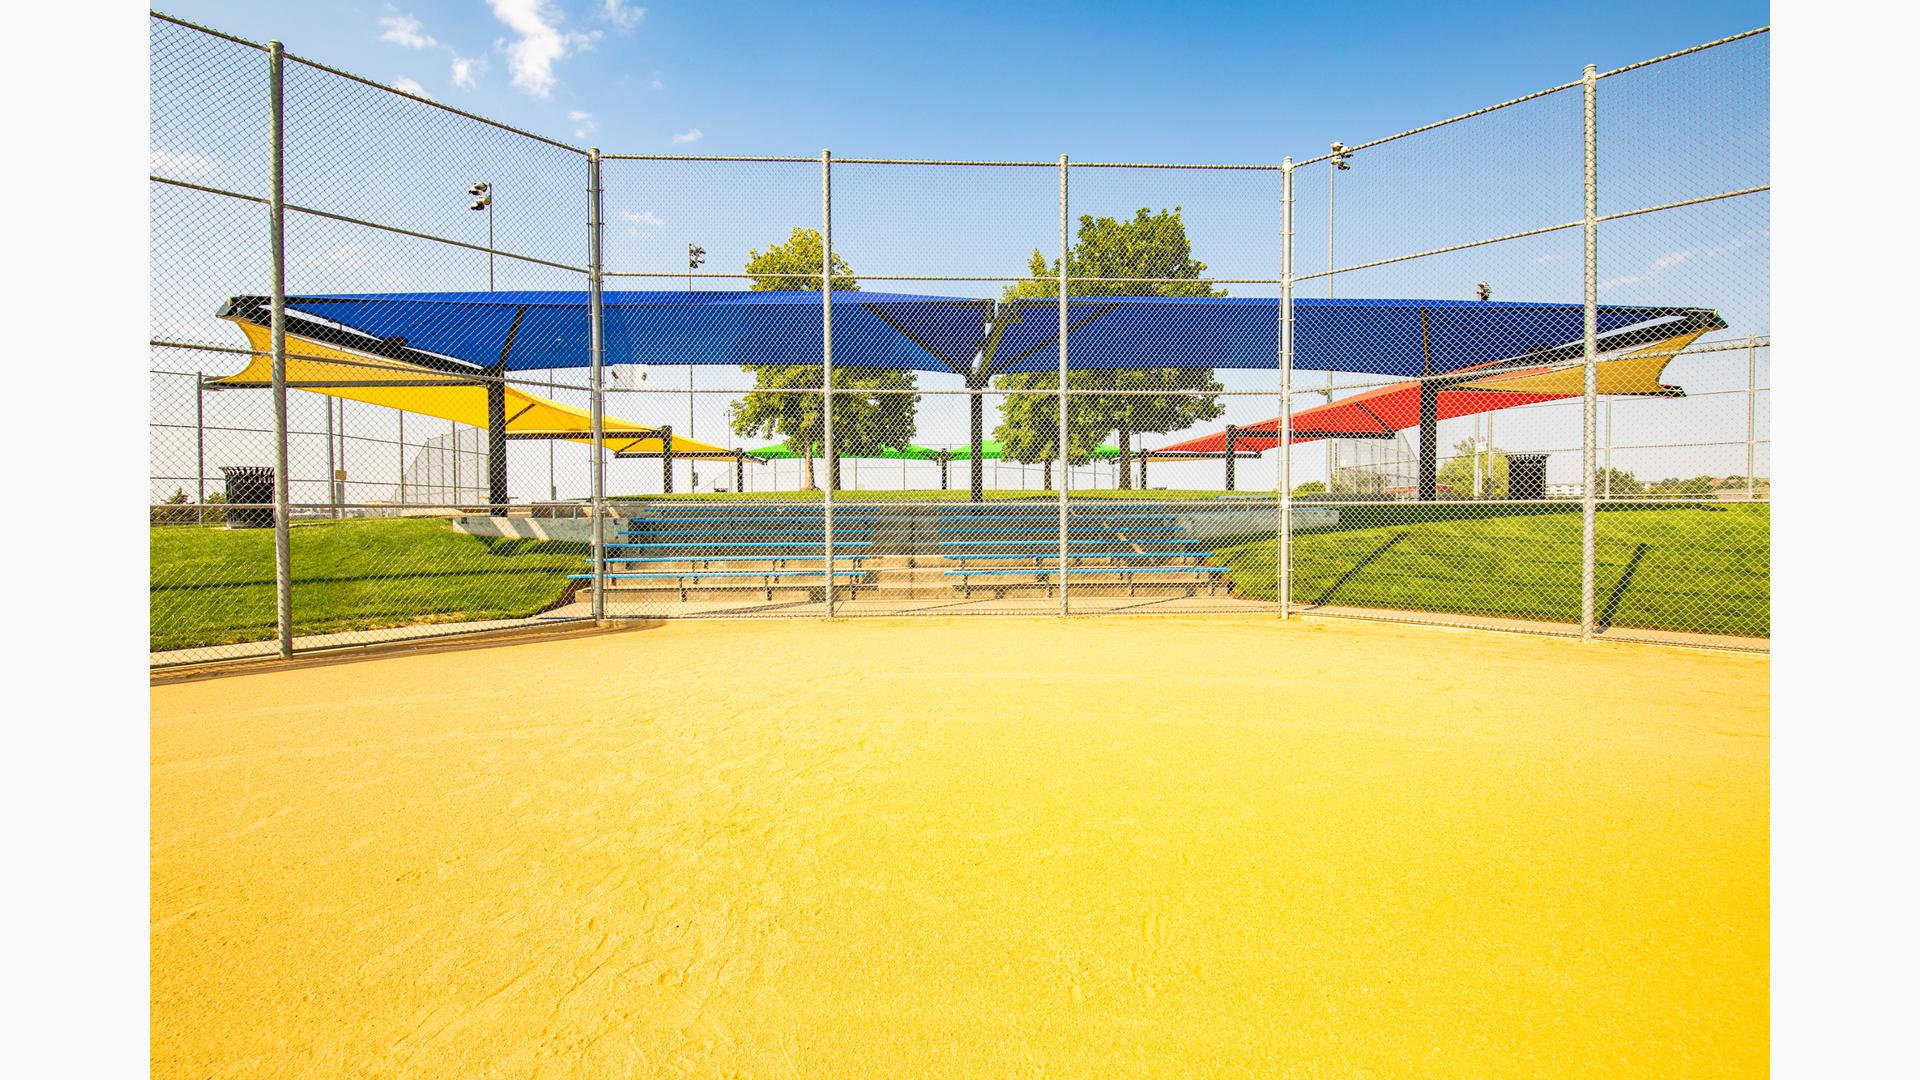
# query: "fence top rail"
982,163
177,21
1524,98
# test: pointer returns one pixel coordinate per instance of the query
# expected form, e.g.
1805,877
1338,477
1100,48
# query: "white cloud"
1660,265
404,30
619,14
644,217
540,42
584,124
467,69
165,162
689,136
655,82
408,86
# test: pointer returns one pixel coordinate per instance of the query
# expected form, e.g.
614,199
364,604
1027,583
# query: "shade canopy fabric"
395,384
975,338
1386,410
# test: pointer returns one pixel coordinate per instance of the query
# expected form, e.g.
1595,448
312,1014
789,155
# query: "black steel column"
945,456
1143,468
497,440
1429,438
1231,432
739,470
666,460
976,420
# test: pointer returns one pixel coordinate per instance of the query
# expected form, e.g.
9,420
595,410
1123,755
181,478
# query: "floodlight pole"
826,364
1591,369
1066,470
277,244
1283,569
596,368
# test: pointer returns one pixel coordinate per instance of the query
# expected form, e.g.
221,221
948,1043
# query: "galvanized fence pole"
1591,369
401,438
200,446
1283,564
1066,466
333,500
826,365
596,392
277,255
1753,365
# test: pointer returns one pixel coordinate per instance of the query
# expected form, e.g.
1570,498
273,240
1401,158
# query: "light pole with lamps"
696,255
1337,163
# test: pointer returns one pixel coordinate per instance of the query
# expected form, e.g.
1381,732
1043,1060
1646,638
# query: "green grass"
214,586
1694,568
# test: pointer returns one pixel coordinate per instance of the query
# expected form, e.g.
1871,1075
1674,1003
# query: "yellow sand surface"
987,847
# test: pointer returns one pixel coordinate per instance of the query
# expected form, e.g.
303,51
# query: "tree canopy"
1150,245
779,404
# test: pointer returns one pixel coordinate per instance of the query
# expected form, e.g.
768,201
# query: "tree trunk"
1046,475
1126,457
806,473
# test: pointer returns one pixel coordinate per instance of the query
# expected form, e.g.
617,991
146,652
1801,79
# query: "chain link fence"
415,372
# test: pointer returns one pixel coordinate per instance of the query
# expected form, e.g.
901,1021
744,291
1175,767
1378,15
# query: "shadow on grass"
1605,621
1327,595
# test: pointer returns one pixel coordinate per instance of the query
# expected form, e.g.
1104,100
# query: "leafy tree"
1029,428
1311,487
778,406
1457,473
1698,485
1148,246
1616,482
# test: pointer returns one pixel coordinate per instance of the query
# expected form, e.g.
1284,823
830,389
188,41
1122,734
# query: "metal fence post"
1753,364
826,364
401,438
200,446
596,392
1066,469
1283,564
1591,369
277,247
333,502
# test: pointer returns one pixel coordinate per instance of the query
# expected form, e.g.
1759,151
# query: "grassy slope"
1699,568
212,586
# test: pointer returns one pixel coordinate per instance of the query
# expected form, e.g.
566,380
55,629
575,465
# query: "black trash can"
249,484
1526,476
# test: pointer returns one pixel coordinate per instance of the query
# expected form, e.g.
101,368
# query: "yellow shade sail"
356,376
1638,372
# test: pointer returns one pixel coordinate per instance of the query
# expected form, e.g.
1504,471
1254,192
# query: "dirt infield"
968,847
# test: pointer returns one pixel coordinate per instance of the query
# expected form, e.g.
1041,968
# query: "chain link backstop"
1504,370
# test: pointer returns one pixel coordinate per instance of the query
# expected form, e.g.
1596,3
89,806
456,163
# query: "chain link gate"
952,387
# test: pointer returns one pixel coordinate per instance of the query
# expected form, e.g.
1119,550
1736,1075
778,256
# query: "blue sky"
1115,81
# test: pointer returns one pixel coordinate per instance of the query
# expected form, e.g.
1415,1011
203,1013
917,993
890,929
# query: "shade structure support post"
945,456
1753,373
1591,368
976,424
1231,432
1283,561
497,440
277,256
739,470
596,387
666,459
826,370
1429,440
1064,439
